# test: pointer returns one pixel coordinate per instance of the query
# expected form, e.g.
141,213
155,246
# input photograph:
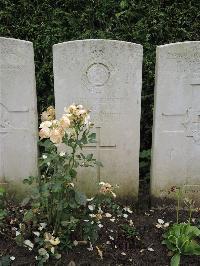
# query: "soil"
143,249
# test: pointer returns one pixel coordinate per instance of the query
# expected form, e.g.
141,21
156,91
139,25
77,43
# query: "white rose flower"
46,124
62,153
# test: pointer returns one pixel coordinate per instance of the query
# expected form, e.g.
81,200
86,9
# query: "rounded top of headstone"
99,41
5,39
178,44
187,49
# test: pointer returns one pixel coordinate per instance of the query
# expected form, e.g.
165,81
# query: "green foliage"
3,211
57,212
5,261
145,159
56,196
180,238
149,23
128,230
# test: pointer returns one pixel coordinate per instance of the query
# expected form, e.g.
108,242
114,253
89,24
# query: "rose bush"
60,213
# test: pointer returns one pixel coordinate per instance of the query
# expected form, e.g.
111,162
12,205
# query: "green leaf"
73,173
145,154
92,136
89,157
5,261
28,216
2,191
25,201
29,180
2,214
57,187
192,248
123,4
194,231
80,198
19,240
175,260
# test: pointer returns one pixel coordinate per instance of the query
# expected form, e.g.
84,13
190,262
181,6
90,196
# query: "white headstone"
18,115
106,77
176,133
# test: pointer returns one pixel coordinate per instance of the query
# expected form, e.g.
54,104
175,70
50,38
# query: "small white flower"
161,224
108,215
123,253
100,225
127,209
17,233
75,243
62,153
166,225
115,246
160,221
108,242
91,247
29,244
91,207
36,233
90,199
150,249
125,216
111,238
92,215
86,221
112,220
12,258
130,222
48,163
42,226
44,156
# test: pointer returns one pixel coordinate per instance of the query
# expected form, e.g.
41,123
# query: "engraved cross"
98,147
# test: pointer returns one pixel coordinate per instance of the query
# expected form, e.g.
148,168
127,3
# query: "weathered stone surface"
18,115
176,133
106,77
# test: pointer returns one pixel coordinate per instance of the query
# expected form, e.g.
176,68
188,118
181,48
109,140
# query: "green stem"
178,207
190,215
72,159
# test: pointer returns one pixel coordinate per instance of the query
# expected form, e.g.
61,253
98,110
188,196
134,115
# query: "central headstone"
176,135
106,77
18,113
